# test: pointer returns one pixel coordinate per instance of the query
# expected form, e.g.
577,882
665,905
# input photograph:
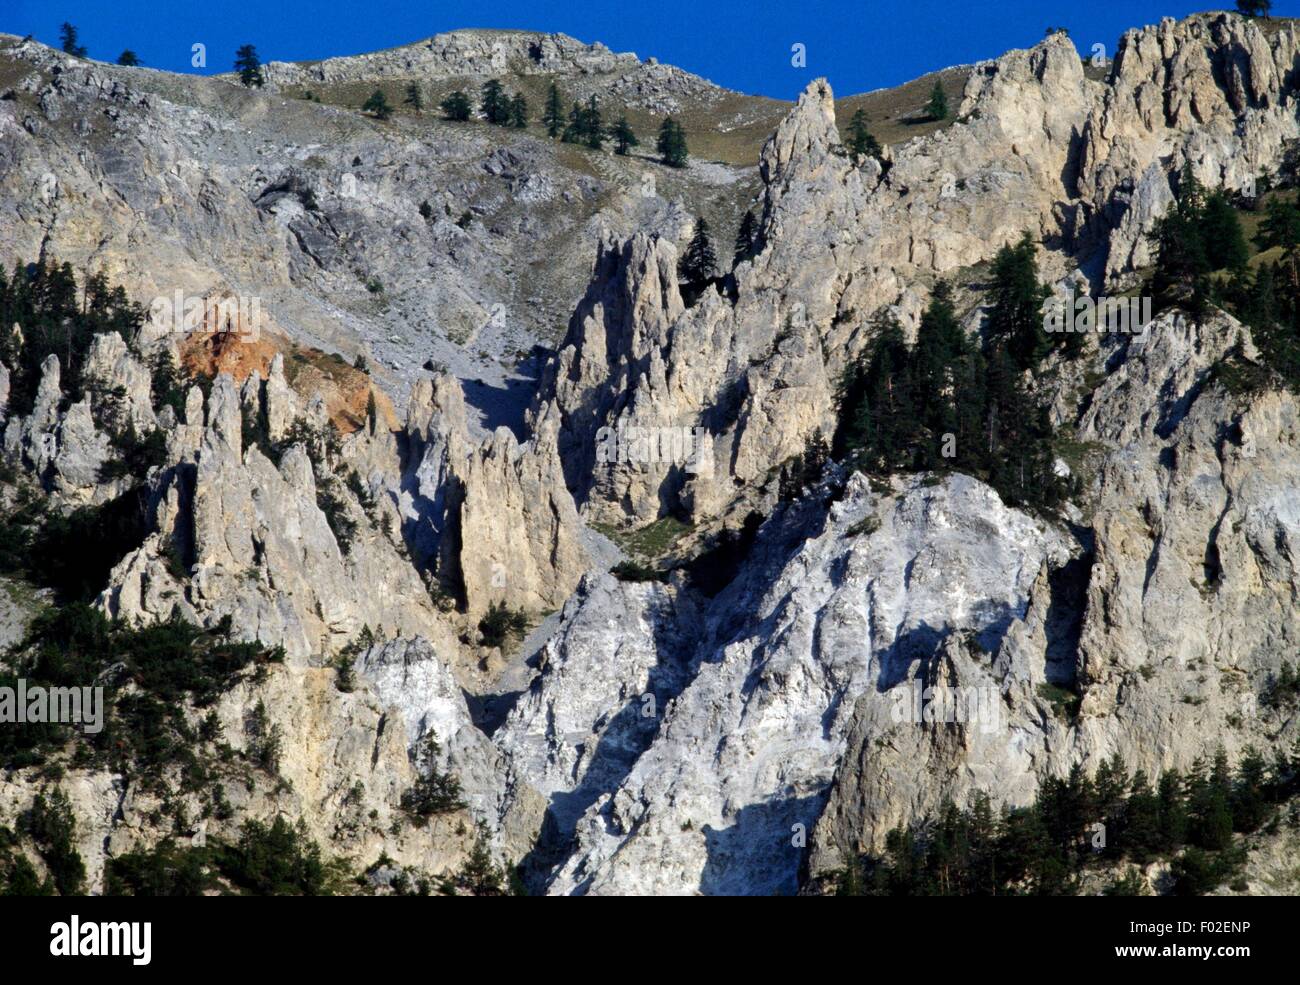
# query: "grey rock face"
407,677
1207,92
462,53
1178,615
622,655
1037,147
807,706
494,517
341,769
741,758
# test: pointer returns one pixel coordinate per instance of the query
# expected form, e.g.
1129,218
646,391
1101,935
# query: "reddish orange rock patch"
346,389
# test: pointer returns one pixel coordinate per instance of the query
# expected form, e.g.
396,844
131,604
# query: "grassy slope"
897,115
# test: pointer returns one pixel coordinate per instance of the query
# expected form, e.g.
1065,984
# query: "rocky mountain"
570,555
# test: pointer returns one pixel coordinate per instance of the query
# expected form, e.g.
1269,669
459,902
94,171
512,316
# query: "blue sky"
745,45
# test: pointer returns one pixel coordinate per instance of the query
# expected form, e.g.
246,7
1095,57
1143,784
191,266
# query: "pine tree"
1270,305
493,103
593,128
860,139
1173,812
166,384
413,97
1280,228
849,879
553,114
1024,842
970,402
878,404
57,319
1043,849
1131,883
1260,300
677,149
624,138
1213,822
1111,787
890,423
249,66
53,827
519,111
671,143
940,347
129,58
984,866
816,455
1017,437
662,140
377,105
698,264
1225,244
1142,820
1015,319
479,875
435,791
746,238
1182,269
1248,802
1254,8
457,106
69,42
937,107
575,132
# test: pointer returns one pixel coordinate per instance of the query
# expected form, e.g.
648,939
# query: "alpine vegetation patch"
102,938
1084,313
184,314
944,705
642,446
38,704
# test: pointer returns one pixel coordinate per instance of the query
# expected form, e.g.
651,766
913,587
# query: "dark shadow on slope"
501,406
431,532
914,651
1212,565
1179,406
910,653
716,568
763,851
764,547
1068,585
489,710
626,735
1073,164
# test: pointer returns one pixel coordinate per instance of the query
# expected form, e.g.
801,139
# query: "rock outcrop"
714,791
1082,165
495,517
1213,92
1174,620
339,769
252,540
